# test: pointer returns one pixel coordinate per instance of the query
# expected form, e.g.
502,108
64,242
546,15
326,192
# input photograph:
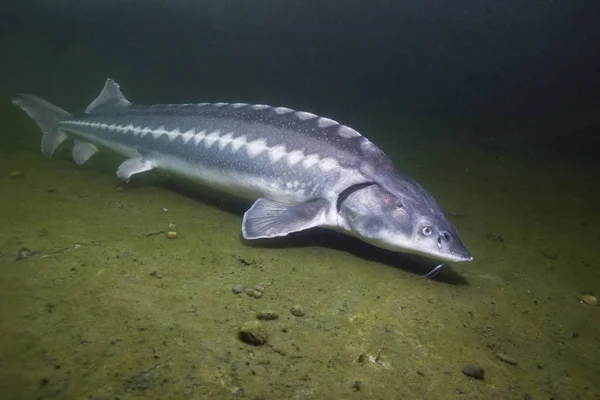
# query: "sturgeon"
301,170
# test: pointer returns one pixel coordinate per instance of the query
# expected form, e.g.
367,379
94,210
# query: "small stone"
172,235
155,274
589,300
474,371
237,289
506,358
236,391
267,315
254,293
17,174
356,386
172,227
297,311
253,333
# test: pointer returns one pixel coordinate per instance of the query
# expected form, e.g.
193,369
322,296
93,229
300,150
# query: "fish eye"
427,230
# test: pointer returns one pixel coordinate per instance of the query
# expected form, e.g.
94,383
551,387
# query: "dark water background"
492,105
471,60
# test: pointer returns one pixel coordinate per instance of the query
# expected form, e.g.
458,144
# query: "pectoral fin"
133,166
268,219
82,151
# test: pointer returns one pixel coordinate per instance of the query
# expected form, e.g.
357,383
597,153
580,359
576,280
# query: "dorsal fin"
110,96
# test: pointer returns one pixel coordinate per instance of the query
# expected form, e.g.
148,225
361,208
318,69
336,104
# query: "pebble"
237,289
267,315
506,358
172,235
253,333
589,299
254,293
356,386
297,311
17,174
474,371
172,227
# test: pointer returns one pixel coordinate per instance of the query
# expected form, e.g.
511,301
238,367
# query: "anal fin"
82,151
133,166
268,219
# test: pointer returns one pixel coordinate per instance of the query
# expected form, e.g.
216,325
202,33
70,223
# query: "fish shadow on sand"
310,238
337,241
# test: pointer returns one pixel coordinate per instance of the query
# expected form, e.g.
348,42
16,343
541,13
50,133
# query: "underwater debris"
25,253
243,261
377,359
172,235
149,234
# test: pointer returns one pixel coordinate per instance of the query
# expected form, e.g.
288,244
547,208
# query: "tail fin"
46,116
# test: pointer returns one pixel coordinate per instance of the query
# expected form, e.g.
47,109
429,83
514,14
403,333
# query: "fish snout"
447,242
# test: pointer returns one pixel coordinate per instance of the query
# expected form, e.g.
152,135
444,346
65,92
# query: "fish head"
408,221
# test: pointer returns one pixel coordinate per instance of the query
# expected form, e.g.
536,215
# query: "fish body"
301,170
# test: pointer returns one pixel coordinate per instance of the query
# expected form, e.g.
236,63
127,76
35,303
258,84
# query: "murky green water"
105,306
